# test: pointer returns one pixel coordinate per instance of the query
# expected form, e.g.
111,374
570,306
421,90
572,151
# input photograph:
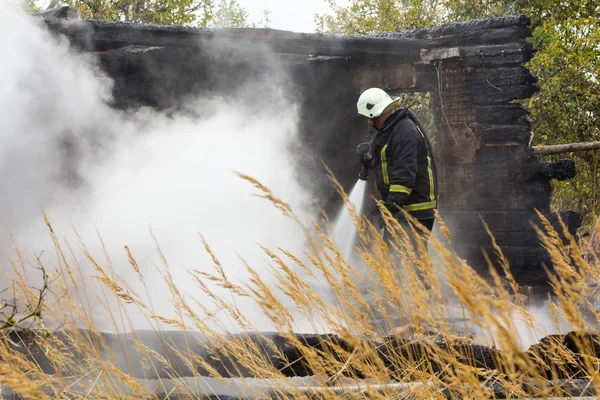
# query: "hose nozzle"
363,174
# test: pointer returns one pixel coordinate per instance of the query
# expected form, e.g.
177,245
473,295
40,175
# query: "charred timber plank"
394,351
164,77
577,347
99,36
484,36
502,221
529,173
505,222
510,60
562,388
512,204
524,260
415,357
572,220
426,78
491,155
178,347
492,36
486,198
277,352
513,133
504,95
511,54
498,50
511,179
394,76
527,238
519,177
486,31
500,78
501,114
547,170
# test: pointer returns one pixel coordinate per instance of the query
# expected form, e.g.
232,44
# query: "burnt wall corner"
489,171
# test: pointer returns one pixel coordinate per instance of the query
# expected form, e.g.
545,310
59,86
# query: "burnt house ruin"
474,72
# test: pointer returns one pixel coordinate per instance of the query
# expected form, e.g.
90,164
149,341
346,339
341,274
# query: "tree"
202,13
568,105
567,38
230,14
365,16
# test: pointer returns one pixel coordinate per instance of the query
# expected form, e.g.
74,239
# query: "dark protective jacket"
405,172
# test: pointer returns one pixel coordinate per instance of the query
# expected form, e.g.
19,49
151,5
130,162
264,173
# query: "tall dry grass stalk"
367,299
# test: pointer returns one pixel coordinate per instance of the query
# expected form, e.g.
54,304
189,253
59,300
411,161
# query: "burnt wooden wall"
487,169
474,71
476,74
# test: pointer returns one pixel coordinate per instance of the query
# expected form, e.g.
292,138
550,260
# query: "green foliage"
567,107
230,15
175,12
567,38
364,16
421,104
31,6
202,13
465,10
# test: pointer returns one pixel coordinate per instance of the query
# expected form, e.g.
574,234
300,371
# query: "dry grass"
90,366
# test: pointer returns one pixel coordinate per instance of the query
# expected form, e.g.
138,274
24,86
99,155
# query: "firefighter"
402,158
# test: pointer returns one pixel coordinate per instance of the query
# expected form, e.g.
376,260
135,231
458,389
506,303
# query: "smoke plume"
142,173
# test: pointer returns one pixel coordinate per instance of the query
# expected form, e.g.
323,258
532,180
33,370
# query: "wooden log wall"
475,71
487,168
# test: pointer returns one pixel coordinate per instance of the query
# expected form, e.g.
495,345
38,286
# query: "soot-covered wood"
402,358
91,35
487,31
501,178
571,356
483,135
407,361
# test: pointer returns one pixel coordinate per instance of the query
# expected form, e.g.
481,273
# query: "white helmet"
373,102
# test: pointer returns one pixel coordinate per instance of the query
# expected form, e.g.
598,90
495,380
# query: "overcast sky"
290,15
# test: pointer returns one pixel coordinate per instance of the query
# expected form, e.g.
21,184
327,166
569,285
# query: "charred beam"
515,133
499,50
505,95
488,31
507,221
91,35
545,170
499,78
565,148
500,115
511,54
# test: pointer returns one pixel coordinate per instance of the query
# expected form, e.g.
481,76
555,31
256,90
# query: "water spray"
344,230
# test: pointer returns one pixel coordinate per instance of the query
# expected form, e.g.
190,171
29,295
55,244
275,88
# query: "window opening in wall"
422,104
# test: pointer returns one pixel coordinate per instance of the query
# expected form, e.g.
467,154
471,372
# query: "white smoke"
140,171
530,325
544,323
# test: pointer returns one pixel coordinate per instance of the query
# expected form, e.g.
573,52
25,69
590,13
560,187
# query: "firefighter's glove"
363,151
392,208
364,159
